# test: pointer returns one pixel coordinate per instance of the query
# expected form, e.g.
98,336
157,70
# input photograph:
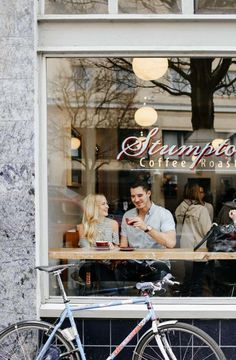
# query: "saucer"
126,248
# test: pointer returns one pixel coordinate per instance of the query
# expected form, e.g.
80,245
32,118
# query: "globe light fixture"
149,68
216,142
75,143
145,116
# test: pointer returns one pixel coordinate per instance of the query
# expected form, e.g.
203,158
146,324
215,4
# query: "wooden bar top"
138,254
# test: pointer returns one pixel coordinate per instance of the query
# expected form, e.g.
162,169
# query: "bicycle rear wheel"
186,342
23,341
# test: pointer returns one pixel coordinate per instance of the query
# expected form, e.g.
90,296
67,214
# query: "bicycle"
168,340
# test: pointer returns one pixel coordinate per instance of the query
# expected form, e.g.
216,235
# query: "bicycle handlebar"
159,285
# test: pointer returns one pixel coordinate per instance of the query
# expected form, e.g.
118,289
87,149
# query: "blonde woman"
95,225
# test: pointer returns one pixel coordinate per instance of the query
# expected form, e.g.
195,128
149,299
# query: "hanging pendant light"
75,143
145,116
216,142
149,68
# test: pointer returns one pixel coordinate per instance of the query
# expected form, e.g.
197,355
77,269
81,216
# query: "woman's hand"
111,245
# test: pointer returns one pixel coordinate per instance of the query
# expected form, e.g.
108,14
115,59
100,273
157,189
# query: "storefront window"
76,7
91,107
215,7
149,7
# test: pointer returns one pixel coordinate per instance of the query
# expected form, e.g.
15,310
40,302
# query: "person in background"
95,225
229,203
206,204
193,222
147,226
222,273
192,216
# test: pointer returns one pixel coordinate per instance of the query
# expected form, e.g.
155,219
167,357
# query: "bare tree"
197,78
76,6
147,6
101,6
216,6
92,97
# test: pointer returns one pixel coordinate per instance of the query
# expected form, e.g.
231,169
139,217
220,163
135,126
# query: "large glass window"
215,6
147,7
101,7
76,6
137,6
92,105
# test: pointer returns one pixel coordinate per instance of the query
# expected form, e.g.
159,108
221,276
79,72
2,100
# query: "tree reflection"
197,78
76,6
92,97
147,6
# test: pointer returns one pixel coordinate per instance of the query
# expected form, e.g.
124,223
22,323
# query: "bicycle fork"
162,341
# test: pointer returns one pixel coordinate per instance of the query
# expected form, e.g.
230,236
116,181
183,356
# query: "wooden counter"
139,254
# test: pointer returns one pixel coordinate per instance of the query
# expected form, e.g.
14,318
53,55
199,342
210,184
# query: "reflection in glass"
215,7
149,7
76,6
95,99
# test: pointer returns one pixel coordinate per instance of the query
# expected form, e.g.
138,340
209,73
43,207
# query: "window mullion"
41,7
113,6
188,7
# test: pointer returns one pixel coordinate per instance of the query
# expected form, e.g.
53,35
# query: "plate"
126,248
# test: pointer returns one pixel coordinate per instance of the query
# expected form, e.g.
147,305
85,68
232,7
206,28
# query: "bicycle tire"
187,342
24,340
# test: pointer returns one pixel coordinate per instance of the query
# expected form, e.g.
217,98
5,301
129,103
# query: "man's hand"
137,222
167,239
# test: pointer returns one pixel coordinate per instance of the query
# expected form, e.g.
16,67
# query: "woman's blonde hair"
91,215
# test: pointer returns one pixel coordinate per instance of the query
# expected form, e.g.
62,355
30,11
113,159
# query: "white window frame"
48,26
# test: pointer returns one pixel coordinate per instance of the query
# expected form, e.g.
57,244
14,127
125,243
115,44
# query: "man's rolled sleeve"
167,223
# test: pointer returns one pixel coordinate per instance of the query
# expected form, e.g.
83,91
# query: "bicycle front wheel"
181,342
24,340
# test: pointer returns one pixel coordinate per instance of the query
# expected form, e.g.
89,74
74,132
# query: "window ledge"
165,311
135,17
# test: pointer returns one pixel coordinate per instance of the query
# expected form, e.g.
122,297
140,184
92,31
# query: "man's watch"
149,228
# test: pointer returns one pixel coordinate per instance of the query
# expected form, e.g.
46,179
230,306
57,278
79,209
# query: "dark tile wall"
101,336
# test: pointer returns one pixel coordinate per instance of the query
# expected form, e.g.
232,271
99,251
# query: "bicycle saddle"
54,268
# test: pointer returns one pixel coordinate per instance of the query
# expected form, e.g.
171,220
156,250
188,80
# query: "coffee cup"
102,243
129,221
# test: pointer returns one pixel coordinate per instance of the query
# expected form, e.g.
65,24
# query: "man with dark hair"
147,225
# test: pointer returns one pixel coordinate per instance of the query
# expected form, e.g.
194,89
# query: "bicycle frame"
68,313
